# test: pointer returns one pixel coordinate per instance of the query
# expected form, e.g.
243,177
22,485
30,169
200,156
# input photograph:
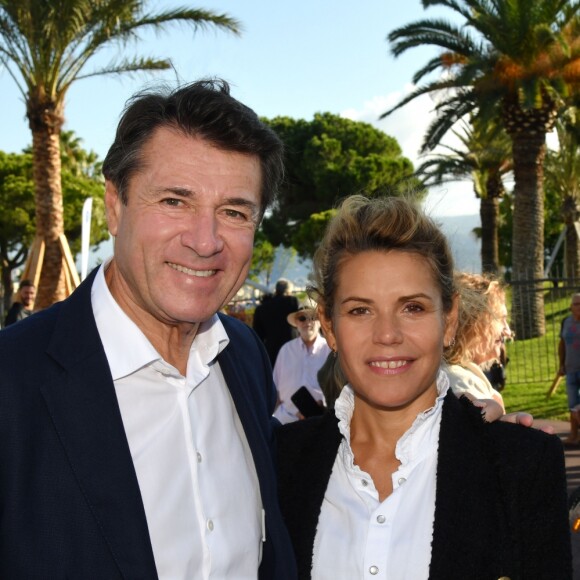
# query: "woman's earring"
451,343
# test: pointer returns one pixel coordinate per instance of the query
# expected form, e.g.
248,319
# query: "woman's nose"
388,330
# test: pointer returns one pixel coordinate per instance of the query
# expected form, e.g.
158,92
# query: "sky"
292,58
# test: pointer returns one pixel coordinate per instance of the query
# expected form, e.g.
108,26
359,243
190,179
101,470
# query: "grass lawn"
532,368
531,397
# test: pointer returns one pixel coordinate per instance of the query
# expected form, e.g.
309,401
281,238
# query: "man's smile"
190,272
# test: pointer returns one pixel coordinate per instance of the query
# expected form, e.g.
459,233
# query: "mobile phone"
306,403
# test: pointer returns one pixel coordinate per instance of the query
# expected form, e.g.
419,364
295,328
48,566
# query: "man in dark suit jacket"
135,422
270,319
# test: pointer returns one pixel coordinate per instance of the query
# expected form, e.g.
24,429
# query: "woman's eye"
358,311
412,308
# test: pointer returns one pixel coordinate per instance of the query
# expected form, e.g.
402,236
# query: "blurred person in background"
569,357
299,361
270,319
23,305
481,332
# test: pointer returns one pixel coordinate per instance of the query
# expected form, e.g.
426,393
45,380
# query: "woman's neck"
374,434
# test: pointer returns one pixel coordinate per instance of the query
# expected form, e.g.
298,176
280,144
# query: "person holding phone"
298,362
405,480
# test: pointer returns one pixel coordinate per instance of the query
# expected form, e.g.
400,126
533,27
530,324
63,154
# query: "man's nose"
202,234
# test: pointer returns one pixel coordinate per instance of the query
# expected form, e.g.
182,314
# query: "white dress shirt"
195,469
358,536
296,366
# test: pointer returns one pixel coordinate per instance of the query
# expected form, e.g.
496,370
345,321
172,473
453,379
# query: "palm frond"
50,43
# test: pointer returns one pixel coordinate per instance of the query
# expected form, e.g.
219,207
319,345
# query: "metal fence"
541,354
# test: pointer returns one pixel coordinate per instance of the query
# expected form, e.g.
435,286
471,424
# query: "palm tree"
45,46
78,160
510,59
563,177
485,157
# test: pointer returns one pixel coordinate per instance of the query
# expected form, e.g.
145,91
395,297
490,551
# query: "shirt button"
210,525
381,519
374,570
198,457
401,480
364,482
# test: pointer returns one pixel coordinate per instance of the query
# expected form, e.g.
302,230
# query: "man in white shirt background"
135,439
299,361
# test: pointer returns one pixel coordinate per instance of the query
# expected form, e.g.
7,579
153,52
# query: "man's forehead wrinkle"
182,191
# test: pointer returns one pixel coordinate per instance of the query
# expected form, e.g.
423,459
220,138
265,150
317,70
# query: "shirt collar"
318,343
126,347
410,444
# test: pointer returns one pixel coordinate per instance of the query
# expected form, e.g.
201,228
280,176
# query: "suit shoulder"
508,441
510,433
34,330
526,450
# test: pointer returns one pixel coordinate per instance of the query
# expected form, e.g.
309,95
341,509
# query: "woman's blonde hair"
380,224
480,299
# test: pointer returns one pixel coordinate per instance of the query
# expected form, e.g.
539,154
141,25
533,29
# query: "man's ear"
113,208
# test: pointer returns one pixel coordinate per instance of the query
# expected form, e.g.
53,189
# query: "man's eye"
171,201
236,214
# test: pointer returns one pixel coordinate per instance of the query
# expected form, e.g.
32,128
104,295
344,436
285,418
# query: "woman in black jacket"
404,481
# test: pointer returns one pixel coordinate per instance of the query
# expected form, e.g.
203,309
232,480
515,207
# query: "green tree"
16,216
17,226
563,180
76,159
485,158
45,46
510,59
327,159
310,232
262,258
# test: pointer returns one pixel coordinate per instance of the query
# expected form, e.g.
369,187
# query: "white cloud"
408,126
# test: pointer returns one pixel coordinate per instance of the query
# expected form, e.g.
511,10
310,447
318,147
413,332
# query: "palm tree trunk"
529,149
489,214
572,253
45,120
527,129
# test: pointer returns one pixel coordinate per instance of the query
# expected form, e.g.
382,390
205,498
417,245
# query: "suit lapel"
84,409
467,515
237,383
